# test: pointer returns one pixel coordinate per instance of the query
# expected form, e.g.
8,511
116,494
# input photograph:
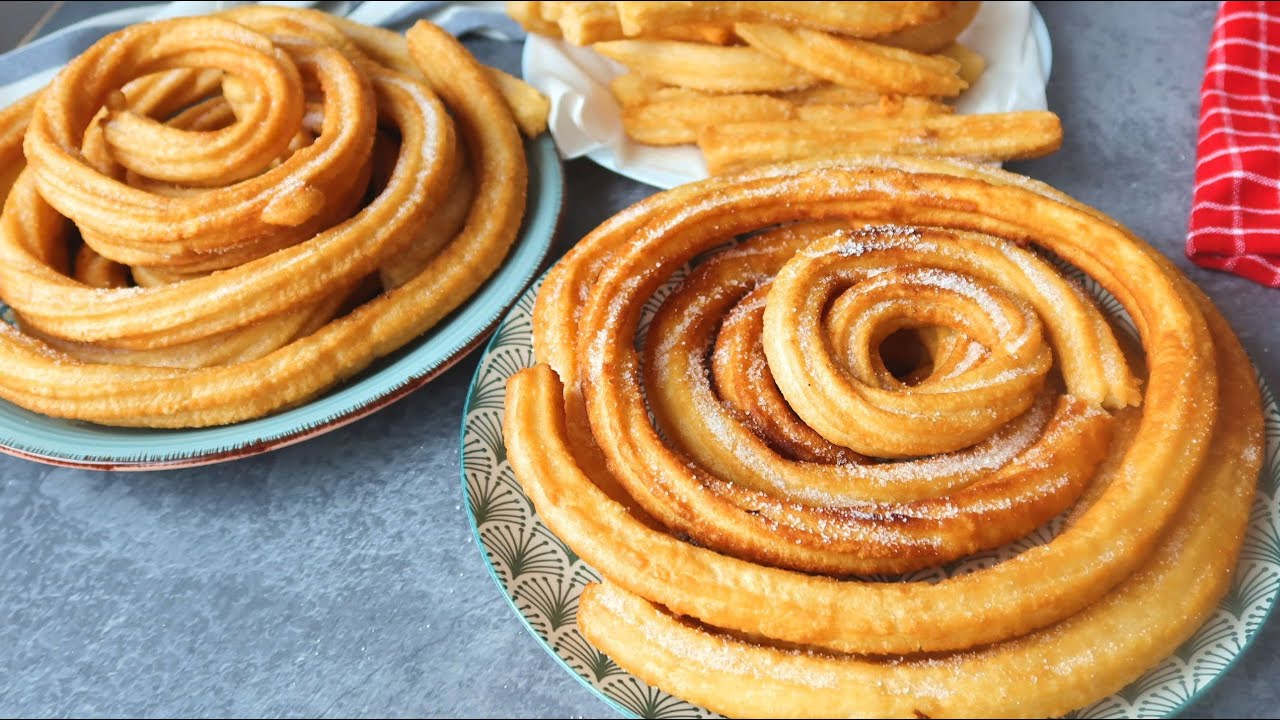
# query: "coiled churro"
219,173
1019,402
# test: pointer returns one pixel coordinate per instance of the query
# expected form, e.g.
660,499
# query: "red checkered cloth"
1235,211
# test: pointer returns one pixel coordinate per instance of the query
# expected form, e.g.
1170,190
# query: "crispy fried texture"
856,63
706,67
1140,622
727,532
1014,482
682,115
748,105
990,137
932,37
138,331
857,19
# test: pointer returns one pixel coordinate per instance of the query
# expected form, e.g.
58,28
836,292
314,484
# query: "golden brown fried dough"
991,137
270,181
857,19
856,63
870,247
706,67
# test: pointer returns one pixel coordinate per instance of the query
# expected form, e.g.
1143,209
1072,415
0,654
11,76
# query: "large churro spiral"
998,480
207,204
889,379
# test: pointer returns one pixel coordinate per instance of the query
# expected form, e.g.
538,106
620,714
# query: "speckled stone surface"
339,577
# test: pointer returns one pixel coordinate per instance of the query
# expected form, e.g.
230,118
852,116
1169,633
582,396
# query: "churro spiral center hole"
905,355
986,347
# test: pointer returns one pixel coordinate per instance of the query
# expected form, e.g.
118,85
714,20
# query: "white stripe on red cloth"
1210,205
1263,180
1243,149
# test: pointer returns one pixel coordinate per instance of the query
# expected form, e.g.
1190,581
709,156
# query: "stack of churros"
211,219
753,83
873,369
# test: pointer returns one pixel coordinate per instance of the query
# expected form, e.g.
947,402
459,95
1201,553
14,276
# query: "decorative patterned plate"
64,442
542,578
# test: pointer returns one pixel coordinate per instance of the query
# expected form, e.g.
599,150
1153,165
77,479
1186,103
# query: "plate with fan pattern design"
542,578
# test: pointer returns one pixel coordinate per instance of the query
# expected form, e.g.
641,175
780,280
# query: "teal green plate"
64,442
542,578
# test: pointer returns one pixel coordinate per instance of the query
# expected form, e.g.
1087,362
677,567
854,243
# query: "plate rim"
475,527
1267,396
545,205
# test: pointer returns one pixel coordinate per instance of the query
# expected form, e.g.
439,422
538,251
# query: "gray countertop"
339,577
